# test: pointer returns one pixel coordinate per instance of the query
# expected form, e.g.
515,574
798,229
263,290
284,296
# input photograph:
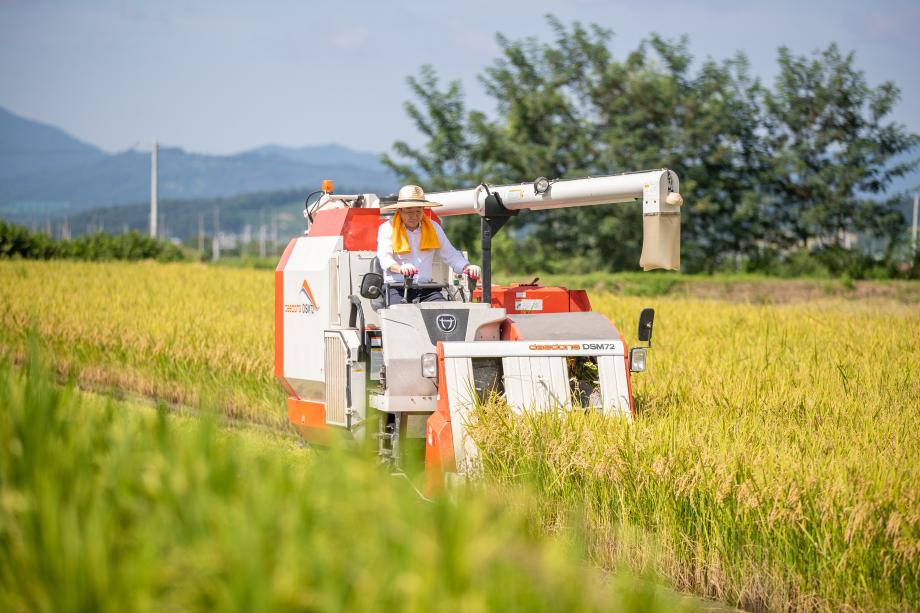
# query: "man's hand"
408,270
473,271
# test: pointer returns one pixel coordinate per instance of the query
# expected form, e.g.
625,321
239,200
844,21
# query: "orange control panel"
530,298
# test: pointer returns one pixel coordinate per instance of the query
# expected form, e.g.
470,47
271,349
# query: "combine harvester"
342,353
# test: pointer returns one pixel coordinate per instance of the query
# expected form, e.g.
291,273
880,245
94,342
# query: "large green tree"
832,151
446,160
758,167
569,108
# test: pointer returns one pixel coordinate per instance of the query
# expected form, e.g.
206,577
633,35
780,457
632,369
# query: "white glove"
407,270
473,271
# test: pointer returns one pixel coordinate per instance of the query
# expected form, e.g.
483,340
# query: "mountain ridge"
27,145
35,184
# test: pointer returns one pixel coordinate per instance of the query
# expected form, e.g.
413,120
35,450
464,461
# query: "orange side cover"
309,417
279,309
439,438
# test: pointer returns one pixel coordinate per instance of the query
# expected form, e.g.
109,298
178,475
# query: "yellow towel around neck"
401,240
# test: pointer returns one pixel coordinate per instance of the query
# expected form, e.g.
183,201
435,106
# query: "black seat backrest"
382,301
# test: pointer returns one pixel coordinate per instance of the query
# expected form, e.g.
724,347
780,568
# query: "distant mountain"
29,146
35,185
329,154
125,178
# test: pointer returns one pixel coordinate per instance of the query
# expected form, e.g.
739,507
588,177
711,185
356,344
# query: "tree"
446,160
758,168
569,108
831,150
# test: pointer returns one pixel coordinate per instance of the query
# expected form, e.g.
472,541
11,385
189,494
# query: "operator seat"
381,301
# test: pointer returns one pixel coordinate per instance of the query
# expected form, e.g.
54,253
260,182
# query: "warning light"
327,186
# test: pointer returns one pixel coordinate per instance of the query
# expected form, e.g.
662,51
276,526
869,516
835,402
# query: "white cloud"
894,23
349,38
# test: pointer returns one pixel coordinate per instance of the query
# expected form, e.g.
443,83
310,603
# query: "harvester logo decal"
308,295
308,304
446,322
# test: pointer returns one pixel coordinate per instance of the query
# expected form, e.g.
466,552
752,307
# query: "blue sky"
221,77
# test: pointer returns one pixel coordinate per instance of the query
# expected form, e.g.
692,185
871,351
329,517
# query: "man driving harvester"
406,245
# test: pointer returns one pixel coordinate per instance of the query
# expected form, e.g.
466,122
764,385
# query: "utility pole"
200,232
913,234
263,233
275,233
153,191
245,239
215,242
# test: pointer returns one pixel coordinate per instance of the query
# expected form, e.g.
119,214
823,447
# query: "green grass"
109,507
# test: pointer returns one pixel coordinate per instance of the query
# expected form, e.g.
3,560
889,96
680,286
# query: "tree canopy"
763,170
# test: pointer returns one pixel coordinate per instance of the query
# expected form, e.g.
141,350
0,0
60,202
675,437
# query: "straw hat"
410,196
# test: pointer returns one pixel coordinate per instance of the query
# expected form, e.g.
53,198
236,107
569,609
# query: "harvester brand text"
299,308
573,347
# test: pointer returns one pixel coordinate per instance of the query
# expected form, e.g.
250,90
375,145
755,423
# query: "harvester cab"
344,352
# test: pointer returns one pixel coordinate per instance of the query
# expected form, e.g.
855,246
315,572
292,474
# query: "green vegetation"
770,174
108,507
774,462
19,242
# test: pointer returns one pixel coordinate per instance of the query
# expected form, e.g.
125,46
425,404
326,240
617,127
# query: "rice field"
110,507
185,333
775,463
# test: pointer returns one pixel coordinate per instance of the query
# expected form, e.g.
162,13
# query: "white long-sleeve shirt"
422,260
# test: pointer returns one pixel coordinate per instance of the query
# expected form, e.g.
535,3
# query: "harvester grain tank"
344,354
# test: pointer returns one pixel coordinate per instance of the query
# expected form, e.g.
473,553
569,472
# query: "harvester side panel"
307,311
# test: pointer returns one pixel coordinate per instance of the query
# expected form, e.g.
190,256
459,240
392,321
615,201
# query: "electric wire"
306,204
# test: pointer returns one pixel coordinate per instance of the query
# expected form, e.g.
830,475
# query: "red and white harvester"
351,363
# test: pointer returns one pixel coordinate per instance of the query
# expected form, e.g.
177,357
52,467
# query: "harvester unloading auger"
342,352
